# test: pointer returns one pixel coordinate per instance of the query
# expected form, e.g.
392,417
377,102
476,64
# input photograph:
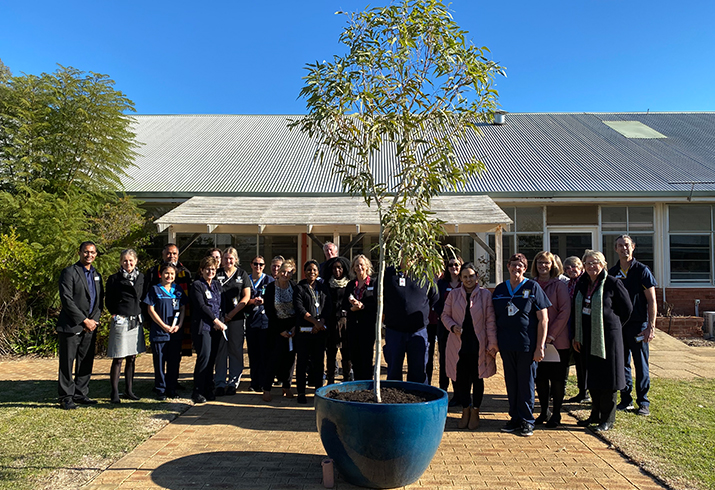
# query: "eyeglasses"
594,262
455,264
259,264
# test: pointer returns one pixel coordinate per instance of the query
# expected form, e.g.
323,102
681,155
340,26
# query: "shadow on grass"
241,469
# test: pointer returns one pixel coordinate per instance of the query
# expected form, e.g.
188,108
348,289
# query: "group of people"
598,317
285,325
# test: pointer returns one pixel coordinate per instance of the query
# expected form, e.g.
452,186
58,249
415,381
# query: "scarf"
130,276
598,346
339,283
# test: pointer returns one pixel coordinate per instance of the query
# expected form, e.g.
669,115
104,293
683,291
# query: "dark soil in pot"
389,395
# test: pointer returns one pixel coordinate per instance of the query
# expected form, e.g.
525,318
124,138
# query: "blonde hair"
553,272
598,255
370,270
288,264
232,251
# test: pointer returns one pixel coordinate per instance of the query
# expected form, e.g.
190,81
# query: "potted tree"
409,87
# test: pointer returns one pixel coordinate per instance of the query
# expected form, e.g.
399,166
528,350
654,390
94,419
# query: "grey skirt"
126,337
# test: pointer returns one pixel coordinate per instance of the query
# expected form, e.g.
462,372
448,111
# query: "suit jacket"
75,299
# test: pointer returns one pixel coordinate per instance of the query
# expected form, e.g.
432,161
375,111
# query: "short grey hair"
131,252
598,255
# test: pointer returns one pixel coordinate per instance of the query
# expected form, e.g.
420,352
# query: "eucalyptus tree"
408,87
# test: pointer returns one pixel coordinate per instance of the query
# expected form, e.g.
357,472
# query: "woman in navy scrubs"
520,306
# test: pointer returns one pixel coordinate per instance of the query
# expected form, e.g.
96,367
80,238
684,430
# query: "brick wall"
681,326
683,300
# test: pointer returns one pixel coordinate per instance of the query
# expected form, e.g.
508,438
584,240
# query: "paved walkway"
243,442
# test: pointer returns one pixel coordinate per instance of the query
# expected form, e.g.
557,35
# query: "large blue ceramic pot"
381,445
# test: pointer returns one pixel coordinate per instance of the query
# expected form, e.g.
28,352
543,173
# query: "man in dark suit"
82,297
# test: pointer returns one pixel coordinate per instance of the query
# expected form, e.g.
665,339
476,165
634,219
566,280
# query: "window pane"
529,219
571,215
690,258
689,218
613,218
643,252
272,245
530,245
640,218
245,245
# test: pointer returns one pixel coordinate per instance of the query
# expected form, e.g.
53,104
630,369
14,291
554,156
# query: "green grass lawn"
42,444
677,442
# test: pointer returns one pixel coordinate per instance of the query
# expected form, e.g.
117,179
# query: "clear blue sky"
241,57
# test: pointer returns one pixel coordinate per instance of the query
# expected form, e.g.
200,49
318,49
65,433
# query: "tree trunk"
378,321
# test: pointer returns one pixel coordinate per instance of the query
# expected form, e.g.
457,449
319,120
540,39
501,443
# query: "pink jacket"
559,312
484,323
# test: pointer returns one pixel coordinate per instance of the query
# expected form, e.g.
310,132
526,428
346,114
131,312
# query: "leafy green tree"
65,142
410,86
63,130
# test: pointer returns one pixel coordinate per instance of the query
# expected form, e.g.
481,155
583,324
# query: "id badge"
525,294
403,282
208,294
586,310
317,305
511,309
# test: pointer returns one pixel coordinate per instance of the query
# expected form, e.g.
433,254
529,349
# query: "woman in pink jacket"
472,343
551,376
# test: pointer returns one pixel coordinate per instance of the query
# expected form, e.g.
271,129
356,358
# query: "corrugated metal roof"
532,154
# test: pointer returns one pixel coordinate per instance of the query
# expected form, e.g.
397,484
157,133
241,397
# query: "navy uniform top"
232,289
167,304
407,304
517,332
205,304
636,279
256,314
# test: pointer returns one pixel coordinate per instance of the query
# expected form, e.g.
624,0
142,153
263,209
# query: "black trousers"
603,405
280,360
436,333
257,343
206,346
167,361
362,351
76,361
551,382
310,350
469,387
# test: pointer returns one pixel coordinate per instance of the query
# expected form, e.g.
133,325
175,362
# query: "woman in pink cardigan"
472,343
551,376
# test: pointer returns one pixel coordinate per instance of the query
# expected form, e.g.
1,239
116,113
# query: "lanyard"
315,300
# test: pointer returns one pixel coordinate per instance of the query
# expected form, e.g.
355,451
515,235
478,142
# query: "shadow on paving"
240,469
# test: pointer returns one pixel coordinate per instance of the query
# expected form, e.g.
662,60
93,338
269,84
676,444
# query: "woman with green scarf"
601,306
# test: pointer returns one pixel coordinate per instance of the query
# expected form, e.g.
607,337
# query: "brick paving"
242,442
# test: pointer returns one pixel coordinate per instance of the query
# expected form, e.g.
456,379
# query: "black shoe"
230,390
254,389
84,400
454,402
172,394
210,396
554,421
543,417
131,396
198,398
586,422
220,391
68,404
604,427
161,396
643,411
527,429
302,399
114,398
580,398
624,406
511,426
